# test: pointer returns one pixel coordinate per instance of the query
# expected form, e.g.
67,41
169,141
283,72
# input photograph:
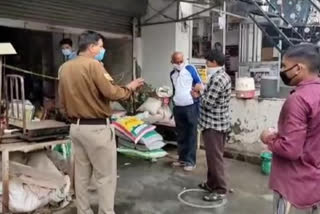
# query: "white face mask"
178,67
66,52
213,70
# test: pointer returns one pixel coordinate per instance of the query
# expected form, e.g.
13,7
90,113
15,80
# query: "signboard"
202,71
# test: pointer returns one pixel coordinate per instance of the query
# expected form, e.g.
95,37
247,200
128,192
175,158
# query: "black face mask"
284,77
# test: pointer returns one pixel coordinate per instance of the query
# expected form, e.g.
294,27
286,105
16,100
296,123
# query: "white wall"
248,119
183,31
158,43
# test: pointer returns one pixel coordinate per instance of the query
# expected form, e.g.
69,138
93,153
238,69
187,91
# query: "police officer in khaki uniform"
85,92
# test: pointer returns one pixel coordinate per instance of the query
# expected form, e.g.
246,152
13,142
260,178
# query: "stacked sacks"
137,138
132,127
150,141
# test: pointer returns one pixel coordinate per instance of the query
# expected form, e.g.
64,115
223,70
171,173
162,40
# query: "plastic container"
245,88
65,150
266,158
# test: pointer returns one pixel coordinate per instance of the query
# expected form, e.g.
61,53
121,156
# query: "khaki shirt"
86,89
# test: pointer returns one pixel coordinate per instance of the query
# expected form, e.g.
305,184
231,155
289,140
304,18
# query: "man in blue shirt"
186,109
66,49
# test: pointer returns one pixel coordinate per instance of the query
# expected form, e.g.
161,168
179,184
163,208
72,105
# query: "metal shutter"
68,13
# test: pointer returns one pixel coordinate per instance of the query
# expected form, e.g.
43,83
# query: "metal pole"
212,40
280,54
178,10
314,5
189,18
239,51
134,74
169,22
266,34
246,47
279,66
195,2
224,27
181,20
160,11
134,28
2,127
282,35
1,67
190,34
2,95
285,20
253,43
5,181
240,43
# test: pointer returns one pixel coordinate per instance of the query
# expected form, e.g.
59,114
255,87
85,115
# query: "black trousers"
186,119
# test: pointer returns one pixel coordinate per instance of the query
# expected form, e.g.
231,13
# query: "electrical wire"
14,68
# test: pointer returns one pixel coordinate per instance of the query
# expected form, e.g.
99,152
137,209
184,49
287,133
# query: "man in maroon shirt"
295,174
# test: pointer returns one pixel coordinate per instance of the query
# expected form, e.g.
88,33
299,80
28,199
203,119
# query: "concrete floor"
152,188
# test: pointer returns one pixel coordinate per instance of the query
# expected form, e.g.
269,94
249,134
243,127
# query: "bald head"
177,58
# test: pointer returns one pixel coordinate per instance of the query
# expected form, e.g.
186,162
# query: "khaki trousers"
95,153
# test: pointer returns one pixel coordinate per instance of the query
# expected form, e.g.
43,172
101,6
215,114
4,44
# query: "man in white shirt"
186,110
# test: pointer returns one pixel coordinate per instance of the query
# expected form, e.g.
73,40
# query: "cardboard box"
269,54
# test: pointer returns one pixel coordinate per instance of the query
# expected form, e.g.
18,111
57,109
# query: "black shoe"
205,187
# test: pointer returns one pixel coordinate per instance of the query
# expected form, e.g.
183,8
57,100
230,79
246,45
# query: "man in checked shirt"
214,122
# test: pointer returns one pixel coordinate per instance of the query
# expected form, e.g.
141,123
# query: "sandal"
214,197
205,186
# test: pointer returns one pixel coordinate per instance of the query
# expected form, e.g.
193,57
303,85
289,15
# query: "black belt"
103,121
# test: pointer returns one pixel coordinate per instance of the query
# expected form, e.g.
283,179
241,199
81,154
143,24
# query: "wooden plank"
28,147
32,126
45,124
5,181
10,141
10,136
47,178
43,138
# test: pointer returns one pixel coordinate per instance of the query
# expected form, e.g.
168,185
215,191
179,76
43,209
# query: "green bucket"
266,158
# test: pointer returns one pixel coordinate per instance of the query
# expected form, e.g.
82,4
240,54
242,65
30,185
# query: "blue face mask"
100,55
